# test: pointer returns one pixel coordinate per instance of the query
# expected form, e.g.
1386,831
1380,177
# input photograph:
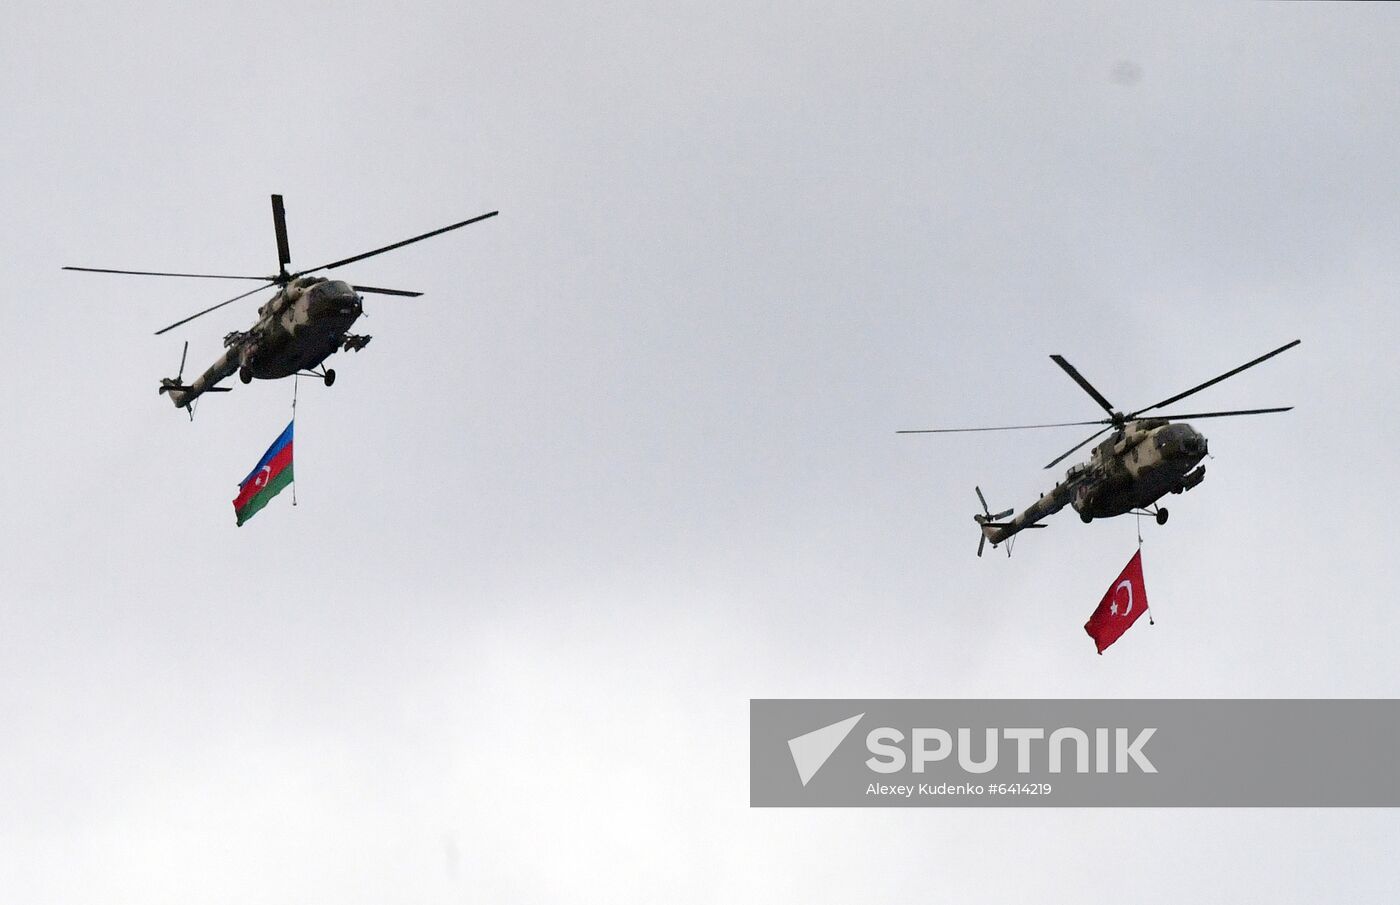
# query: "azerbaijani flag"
268,477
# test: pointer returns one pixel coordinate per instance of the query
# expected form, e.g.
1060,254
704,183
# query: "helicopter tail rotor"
986,521
180,393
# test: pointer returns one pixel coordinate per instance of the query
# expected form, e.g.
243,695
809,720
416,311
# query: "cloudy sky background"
631,460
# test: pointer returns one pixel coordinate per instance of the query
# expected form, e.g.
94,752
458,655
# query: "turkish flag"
1125,601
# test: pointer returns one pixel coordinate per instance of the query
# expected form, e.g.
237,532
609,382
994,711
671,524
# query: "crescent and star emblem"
261,480
1113,608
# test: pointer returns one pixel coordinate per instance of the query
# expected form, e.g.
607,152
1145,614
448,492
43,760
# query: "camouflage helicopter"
297,329
1142,460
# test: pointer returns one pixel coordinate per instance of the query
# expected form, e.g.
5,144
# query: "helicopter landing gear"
327,375
245,374
1157,512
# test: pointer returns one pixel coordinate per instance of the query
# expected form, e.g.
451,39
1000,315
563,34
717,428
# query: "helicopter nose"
335,298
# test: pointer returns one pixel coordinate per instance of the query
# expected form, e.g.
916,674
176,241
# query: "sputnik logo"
812,750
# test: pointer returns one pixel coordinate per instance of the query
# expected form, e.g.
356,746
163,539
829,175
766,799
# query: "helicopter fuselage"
297,329
1135,467
1142,460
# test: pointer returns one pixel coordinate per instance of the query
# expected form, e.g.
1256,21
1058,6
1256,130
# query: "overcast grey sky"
631,461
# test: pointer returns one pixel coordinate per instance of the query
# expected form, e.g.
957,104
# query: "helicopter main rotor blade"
378,291
1057,460
1286,408
279,223
1014,427
216,307
1213,381
380,251
1085,385
160,273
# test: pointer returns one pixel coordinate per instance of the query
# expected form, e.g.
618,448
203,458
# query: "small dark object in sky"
1126,72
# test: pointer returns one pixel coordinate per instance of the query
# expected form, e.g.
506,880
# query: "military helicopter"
1141,461
297,329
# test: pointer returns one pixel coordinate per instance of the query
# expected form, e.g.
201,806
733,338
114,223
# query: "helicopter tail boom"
179,393
995,530
182,394
991,531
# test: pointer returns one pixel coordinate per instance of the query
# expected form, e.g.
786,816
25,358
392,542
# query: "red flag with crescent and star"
1125,601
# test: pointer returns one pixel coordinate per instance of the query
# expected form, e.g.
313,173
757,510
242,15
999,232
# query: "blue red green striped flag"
268,477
